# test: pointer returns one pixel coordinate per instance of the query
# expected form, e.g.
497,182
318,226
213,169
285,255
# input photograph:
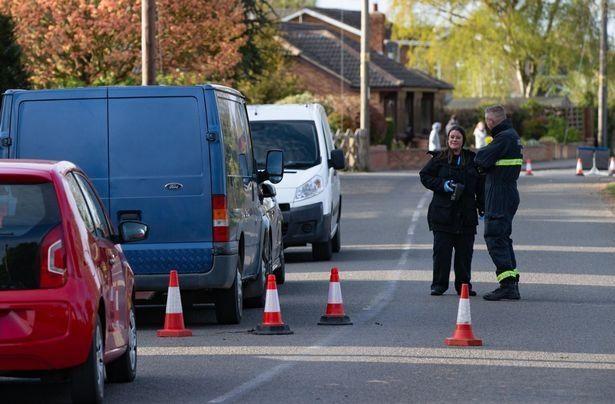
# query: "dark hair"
448,153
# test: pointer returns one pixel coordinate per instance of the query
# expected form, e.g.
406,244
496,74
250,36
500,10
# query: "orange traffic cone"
335,315
174,318
272,316
612,166
528,167
579,167
463,335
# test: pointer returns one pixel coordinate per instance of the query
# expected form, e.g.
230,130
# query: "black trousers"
443,245
501,208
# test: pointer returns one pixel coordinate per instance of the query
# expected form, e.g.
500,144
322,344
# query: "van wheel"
124,368
260,284
280,274
322,251
229,302
88,379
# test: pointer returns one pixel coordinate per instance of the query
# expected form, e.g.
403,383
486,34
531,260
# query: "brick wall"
318,81
414,159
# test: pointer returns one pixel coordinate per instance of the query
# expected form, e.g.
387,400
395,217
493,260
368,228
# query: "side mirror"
267,191
338,160
131,231
274,167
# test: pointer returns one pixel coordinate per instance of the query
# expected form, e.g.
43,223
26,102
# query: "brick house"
325,47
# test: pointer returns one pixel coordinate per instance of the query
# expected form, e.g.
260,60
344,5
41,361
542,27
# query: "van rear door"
160,174
64,125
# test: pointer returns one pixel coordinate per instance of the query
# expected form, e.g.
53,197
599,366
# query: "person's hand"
449,186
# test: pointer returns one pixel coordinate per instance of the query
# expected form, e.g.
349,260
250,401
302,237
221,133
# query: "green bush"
556,128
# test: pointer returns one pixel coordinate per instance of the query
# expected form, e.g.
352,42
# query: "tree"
200,40
97,42
263,74
482,43
12,74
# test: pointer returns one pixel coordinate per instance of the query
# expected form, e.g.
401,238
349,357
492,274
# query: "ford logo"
173,186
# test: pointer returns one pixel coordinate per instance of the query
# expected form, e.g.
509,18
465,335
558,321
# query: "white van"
309,195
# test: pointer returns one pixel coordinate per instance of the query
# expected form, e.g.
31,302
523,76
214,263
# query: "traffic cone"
463,335
612,166
579,167
335,315
272,316
174,318
528,167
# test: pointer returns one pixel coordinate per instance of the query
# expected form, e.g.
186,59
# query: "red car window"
28,212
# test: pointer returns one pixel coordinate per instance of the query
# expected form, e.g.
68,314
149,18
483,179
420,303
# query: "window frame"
91,197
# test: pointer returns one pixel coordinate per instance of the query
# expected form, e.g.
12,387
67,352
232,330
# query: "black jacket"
444,214
506,144
501,182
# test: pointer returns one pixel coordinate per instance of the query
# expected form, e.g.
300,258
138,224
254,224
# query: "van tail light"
53,260
220,218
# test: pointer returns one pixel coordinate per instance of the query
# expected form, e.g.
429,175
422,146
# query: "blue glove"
449,186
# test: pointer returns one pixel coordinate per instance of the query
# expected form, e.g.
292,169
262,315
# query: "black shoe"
437,291
508,291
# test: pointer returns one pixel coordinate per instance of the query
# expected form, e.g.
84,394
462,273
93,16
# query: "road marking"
377,304
483,247
387,275
387,354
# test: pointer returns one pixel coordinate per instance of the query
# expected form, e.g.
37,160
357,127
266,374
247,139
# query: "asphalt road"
555,345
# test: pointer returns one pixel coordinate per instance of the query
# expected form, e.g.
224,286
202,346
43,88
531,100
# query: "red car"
66,289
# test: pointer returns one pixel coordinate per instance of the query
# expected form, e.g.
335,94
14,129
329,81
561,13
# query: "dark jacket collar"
502,126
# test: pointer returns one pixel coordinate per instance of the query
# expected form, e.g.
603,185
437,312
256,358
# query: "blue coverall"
501,160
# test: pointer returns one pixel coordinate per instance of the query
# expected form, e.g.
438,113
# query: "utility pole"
365,80
148,42
602,90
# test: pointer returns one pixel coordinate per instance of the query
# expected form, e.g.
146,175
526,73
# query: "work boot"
506,291
436,291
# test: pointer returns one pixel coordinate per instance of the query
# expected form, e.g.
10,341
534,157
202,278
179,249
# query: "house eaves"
322,17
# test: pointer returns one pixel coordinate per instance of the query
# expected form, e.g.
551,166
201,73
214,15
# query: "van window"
237,142
327,133
27,213
297,139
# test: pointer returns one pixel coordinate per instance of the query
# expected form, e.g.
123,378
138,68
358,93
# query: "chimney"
377,21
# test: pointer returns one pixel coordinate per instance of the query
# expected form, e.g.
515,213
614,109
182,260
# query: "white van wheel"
322,251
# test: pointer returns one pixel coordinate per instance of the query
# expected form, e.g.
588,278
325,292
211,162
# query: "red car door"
110,263
104,257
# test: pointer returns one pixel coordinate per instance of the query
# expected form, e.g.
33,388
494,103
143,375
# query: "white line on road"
483,247
374,308
418,275
386,354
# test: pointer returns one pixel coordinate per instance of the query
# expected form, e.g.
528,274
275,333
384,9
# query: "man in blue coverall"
501,161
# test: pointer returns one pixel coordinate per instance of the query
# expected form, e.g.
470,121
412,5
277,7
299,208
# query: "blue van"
177,158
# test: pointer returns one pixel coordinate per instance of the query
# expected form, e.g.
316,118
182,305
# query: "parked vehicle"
309,195
275,218
66,289
178,158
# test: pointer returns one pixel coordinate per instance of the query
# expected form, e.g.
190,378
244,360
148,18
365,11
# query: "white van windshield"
297,139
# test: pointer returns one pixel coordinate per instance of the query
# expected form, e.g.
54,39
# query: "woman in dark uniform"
458,200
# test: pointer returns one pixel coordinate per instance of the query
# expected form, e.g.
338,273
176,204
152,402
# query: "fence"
356,148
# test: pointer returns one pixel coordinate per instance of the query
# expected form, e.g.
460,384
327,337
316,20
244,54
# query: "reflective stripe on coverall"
501,160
